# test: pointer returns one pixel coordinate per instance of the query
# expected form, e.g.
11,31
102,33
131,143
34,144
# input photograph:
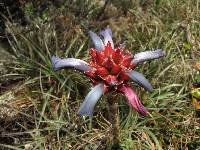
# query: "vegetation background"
38,106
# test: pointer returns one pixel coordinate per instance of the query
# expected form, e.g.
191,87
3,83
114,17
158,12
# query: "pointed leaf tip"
54,60
78,64
140,79
99,45
134,100
148,55
107,34
87,107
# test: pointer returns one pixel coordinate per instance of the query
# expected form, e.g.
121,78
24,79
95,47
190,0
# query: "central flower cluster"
110,66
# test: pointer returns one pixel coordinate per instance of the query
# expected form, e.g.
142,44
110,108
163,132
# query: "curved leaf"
148,55
107,34
140,79
87,107
78,64
97,41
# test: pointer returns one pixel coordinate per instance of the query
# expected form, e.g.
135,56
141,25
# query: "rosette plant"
110,69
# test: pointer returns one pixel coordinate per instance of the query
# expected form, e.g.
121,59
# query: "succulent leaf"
87,107
107,34
78,64
99,45
147,55
140,79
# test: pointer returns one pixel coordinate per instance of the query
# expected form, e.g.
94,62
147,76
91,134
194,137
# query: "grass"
40,105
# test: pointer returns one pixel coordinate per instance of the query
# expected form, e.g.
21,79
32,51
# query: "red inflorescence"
110,66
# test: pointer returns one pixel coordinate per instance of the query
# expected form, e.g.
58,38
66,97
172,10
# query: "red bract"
110,66
110,69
